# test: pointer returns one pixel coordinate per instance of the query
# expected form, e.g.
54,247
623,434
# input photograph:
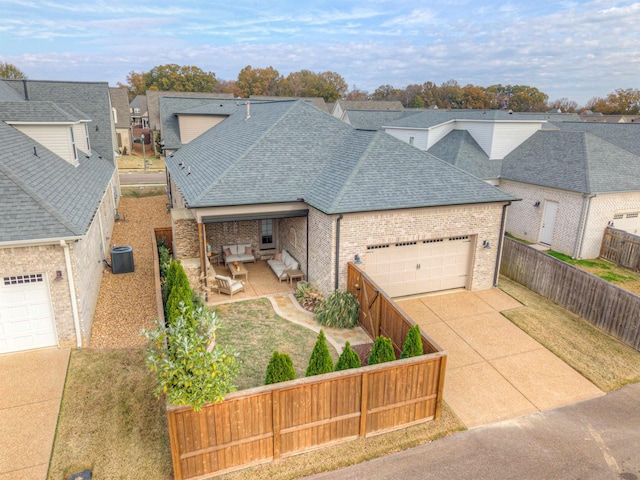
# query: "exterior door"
420,266
548,222
26,316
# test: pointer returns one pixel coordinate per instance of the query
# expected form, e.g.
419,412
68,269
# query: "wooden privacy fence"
605,305
621,248
166,234
276,421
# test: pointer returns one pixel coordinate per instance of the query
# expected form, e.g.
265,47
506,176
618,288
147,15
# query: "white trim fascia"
39,242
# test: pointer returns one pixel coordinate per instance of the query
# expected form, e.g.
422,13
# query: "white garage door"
421,266
26,319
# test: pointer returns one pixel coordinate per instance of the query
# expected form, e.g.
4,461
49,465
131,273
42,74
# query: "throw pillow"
278,257
248,250
227,252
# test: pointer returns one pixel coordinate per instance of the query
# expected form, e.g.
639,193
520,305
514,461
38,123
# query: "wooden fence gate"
621,248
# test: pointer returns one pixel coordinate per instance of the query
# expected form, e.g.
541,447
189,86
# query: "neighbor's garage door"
26,319
422,266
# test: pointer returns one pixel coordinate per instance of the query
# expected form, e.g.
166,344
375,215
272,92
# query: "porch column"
203,255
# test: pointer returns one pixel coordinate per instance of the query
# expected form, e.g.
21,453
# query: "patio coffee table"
239,271
294,275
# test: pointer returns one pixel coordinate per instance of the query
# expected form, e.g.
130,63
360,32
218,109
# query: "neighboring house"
287,176
590,116
59,190
341,106
139,111
121,117
574,178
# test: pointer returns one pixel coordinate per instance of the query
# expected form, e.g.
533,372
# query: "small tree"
348,359
279,369
412,343
320,361
170,279
382,351
191,367
179,298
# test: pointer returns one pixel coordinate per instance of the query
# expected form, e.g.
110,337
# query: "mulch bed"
127,301
363,350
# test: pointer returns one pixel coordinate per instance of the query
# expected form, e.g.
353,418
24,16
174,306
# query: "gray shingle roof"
623,135
317,101
370,105
153,103
374,119
292,150
47,112
575,161
431,118
90,98
459,148
120,101
44,196
170,106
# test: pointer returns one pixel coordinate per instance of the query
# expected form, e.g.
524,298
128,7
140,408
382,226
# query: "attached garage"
421,266
26,315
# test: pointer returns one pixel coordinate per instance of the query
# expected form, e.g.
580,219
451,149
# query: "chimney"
248,110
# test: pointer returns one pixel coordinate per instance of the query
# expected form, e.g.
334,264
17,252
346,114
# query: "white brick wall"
525,221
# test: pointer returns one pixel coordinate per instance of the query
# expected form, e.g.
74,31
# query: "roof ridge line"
356,168
37,198
246,152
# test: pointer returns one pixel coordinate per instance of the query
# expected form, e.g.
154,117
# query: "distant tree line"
331,86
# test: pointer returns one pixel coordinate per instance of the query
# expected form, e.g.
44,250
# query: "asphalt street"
596,439
142,178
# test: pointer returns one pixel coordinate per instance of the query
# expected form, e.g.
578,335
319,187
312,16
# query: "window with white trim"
266,234
86,132
73,145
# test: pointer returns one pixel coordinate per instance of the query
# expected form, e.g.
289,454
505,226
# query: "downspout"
337,250
503,222
584,230
72,291
307,246
102,237
581,224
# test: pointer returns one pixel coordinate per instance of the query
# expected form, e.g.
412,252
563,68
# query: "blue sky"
573,49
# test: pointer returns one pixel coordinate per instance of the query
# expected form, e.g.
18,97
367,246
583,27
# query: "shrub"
340,309
412,343
191,368
164,259
382,351
170,280
348,359
179,298
279,369
320,361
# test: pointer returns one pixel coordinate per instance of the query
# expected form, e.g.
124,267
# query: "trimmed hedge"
279,369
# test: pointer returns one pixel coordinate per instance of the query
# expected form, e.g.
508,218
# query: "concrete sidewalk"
495,371
31,384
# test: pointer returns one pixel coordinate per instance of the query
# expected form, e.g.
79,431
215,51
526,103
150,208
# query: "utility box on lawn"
122,259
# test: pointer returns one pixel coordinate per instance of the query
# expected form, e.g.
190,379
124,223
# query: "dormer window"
73,145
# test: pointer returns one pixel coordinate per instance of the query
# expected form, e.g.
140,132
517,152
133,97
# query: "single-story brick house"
574,178
288,176
59,195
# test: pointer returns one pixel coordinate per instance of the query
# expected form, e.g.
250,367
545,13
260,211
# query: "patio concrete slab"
493,336
479,394
418,311
451,306
32,384
545,380
497,299
459,352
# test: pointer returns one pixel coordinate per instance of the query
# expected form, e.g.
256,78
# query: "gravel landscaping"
127,301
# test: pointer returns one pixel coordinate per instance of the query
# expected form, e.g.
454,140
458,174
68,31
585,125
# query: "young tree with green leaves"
320,361
382,351
348,359
279,369
412,343
191,367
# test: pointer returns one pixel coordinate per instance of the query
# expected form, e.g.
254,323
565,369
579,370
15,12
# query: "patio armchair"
228,285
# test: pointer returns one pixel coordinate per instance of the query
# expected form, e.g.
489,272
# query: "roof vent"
35,152
188,170
248,110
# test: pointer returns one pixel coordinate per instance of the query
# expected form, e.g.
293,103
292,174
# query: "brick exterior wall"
231,233
86,260
525,221
359,230
292,237
185,234
45,259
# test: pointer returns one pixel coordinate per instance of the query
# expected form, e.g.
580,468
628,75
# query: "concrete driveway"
31,384
495,371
